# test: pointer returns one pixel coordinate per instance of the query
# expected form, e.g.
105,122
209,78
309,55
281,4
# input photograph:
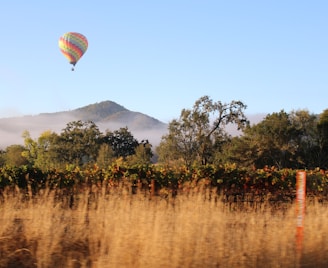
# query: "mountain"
111,114
107,115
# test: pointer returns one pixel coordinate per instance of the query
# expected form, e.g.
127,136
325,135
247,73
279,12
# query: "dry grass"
118,229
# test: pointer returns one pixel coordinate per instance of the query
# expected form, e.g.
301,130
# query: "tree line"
79,144
296,140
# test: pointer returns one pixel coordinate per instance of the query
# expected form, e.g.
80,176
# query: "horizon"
98,102
12,133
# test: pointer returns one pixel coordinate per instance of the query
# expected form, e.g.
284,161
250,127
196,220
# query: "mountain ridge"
107,115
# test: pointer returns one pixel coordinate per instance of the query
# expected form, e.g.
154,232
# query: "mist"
12,128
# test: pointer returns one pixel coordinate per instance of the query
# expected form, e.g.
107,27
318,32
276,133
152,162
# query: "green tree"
106,155
143,154
2,157
78,143
47,156
30,152
167,151
307,155
273,141
281,139
44,152
241,150
121,141
194,136
14,157
323,139
177,144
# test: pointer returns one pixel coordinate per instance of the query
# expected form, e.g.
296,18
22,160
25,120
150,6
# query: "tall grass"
104,228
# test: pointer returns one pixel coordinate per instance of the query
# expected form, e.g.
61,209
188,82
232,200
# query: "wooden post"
152,187
300,207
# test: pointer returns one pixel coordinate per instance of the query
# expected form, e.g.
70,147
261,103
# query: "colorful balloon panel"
73,46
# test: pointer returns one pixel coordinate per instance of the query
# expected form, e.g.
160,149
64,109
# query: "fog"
12,128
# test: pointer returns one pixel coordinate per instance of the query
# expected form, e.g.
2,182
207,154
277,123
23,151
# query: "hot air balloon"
73,46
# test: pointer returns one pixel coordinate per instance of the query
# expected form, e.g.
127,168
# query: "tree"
121,141
78,143
44,152
2,157
30,151
143,154
307,154
273,141
192,137
14,157
177,144
241,150
167,151
48,155
106,155
323,138
281,139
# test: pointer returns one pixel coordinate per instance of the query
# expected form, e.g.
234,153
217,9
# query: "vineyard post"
152,187
300,207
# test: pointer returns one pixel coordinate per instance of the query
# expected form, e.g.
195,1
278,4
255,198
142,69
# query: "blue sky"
158,57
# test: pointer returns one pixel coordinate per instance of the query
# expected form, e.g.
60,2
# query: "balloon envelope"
73,46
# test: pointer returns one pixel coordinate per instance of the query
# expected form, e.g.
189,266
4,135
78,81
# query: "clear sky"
158,57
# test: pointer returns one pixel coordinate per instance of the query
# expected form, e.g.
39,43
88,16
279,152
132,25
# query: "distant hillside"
108,112
107,115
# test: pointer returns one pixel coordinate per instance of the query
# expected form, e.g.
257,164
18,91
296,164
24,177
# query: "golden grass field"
118,229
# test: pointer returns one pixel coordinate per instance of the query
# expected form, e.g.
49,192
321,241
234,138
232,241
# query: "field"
100,227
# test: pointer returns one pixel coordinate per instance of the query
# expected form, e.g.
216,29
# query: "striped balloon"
73,46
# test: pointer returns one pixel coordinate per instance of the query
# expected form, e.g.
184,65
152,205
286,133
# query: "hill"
107,115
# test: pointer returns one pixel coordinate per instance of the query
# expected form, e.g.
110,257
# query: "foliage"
295,140
42,153
105,155
194,135
226,178
2,157
122,142
78,142
81,143
323,138
274,137
14,155
142,155
280,139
